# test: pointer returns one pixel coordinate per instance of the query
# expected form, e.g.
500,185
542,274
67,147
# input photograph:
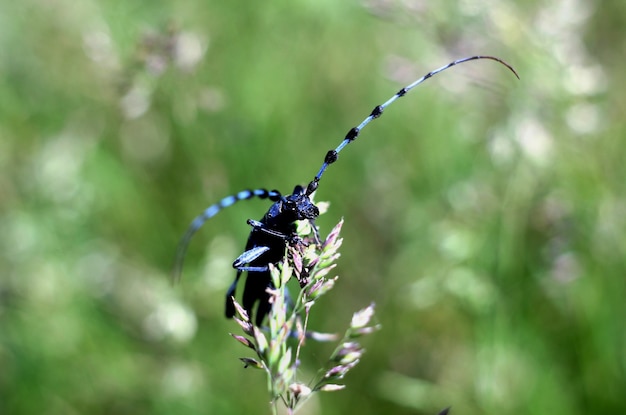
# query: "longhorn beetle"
277,229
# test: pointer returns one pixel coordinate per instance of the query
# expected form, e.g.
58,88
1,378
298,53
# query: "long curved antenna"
332,155
273,195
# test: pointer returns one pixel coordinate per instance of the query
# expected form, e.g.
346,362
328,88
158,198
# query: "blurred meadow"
484,215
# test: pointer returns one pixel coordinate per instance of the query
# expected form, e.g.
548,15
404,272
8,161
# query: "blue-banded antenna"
354,132
273,195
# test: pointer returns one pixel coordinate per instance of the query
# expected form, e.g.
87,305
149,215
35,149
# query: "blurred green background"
485,216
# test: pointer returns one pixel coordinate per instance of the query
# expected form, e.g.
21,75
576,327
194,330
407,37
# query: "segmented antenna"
332,155
273,195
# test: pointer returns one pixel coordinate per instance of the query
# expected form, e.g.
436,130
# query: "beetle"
277,228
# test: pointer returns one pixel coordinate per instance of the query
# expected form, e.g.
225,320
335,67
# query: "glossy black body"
274,231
